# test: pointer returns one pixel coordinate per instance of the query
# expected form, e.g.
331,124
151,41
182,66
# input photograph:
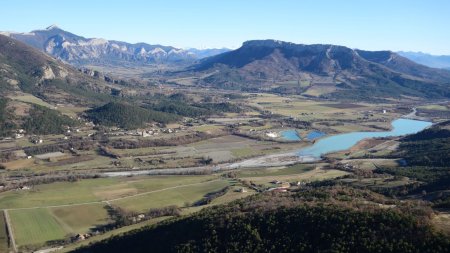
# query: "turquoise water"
346,141
290,135
314,135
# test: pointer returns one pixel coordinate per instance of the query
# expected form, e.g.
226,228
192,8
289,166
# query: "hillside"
321,70
78,50
327,219
25,69
425,158
42,120
127,116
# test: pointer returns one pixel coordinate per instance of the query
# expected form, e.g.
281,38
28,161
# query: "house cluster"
272,134
24,188
20,133
82,237
155,130
138,218
346,166
36,139
69,130
242,190
284,186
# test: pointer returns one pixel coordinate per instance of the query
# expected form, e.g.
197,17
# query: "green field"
244,152
435,107
179,196
32,99
35,226
303,175
3,234
295,169
91,190
80,219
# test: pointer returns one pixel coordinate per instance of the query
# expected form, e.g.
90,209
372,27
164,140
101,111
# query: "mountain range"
434,61
78,50
26,70
321,70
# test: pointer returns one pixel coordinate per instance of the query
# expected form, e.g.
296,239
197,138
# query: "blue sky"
410,25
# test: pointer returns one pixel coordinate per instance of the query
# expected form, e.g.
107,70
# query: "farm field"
35,226
55,211
182,196
276,171
80,219
308,176
91,190
311,110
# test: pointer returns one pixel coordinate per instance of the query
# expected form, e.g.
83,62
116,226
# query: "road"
10,231
411,115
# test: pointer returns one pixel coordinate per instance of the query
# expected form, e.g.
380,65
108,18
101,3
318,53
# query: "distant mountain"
434,61
203,53
78,50
321,70
24,69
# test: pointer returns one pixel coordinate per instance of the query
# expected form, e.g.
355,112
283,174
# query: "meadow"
55,211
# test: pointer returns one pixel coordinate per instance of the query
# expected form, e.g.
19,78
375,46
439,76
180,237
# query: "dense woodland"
327,219
127,116
42,120
157,108
181,104
7,125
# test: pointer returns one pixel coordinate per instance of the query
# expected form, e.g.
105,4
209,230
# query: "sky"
397,25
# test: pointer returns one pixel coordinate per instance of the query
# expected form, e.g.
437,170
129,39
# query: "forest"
326,219
42,120
127,115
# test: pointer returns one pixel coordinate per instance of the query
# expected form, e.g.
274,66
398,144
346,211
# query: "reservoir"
345,141
315,135
290,135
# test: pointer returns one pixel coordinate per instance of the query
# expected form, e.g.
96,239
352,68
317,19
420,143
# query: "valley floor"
57,196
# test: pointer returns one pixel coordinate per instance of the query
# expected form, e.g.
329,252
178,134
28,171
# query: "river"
345,141
308,154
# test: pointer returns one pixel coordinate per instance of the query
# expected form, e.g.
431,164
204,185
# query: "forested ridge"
326,219
127,116
426,158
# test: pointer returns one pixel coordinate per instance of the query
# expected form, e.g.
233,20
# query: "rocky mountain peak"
54,26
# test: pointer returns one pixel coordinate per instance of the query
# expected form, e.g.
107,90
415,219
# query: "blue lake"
314,135
345,141
290,135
